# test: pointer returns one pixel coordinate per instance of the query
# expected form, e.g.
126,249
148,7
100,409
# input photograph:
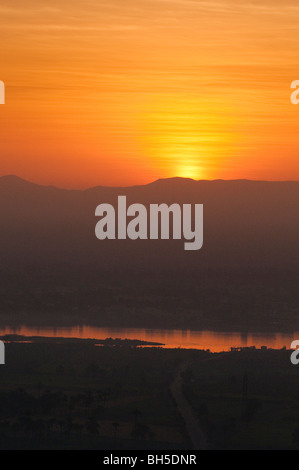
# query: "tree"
115,426
92,425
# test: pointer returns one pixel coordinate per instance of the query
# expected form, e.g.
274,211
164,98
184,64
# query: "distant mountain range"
245,223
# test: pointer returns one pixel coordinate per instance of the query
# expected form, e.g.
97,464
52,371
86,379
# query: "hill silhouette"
245,222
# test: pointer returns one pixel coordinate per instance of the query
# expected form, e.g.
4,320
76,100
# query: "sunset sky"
121,92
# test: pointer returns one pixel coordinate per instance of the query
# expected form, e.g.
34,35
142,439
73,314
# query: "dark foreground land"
75,395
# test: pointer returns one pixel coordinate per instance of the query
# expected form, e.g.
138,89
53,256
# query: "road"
194,430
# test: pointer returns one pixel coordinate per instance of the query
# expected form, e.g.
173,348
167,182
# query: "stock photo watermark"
295,354
2,92
295,94
153,225
2,353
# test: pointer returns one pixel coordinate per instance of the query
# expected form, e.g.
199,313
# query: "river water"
216,341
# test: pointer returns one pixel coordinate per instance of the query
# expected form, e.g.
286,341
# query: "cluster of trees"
46,414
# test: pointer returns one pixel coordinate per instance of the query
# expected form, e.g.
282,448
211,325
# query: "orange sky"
122,92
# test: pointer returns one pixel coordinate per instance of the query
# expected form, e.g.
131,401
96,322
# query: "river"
216,341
